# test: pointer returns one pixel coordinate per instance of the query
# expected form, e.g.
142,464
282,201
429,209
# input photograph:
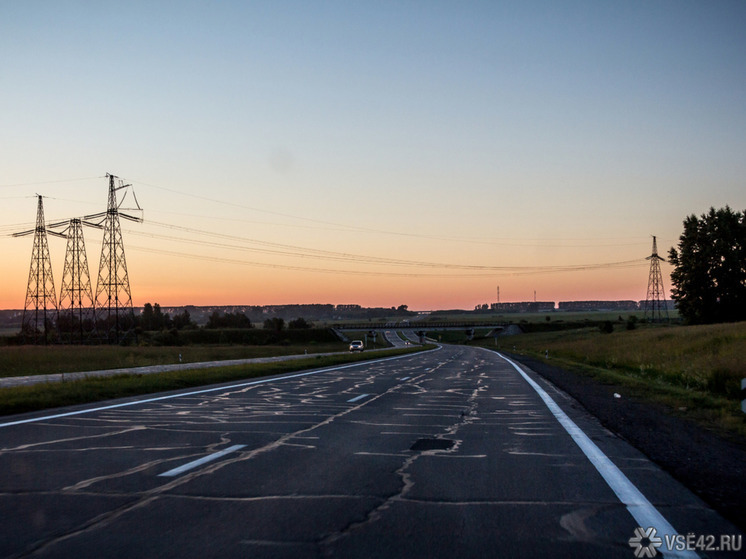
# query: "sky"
375,153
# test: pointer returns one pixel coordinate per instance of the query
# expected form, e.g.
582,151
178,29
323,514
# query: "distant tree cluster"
709,276
275,324
299,323
153,319
228,320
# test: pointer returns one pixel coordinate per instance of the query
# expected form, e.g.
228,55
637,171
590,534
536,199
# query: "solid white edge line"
205,391
205,460
642,510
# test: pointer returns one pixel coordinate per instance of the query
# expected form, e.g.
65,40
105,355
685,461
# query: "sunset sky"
377,153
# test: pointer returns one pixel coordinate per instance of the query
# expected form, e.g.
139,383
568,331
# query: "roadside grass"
695,370
36,397
43,360
456,336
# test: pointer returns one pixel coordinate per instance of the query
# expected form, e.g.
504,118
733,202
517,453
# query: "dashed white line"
356,398
204,391
205,460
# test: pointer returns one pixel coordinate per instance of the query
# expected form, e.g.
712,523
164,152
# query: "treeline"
153,326
152,319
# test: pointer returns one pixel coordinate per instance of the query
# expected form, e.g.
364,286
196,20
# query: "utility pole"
40,310
77,311
113,300
655,300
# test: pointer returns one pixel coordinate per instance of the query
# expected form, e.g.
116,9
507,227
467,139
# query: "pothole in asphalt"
433,444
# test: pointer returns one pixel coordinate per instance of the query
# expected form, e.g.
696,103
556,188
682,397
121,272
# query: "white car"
356,345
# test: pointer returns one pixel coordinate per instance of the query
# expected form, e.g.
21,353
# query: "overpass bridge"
428,326
419,330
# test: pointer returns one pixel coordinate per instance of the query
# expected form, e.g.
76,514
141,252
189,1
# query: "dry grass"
705,358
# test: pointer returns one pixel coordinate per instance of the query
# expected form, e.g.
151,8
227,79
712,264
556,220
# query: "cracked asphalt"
447,453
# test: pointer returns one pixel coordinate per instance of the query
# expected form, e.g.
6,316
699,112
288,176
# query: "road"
448,453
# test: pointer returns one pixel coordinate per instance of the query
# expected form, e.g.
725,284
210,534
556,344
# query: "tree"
228,320
276,324
160,320
299,323
146,318
709,276
182,320
152,318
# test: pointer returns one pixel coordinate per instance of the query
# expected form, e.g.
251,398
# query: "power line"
47,182
285,250
348,227
515,271
556,242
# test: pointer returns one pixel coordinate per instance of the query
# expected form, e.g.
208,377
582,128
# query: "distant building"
669,304
525,306
577,306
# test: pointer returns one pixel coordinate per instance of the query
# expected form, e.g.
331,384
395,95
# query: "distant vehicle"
356,345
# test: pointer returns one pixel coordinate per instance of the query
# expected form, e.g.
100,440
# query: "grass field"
40,360
697,370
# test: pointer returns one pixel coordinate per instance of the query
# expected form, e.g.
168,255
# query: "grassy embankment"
694,370
29,360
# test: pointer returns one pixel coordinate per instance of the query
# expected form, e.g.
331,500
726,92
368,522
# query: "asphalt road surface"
449,453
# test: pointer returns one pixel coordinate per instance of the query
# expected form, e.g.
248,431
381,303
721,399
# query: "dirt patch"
710,466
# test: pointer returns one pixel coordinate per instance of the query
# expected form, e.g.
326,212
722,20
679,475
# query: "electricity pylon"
77,313
113,300
655,300
40,309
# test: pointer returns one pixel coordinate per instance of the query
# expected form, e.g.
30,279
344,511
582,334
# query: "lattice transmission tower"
655,300
40,309
113,300
77,320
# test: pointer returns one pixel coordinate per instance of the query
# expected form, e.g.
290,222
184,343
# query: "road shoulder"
710,466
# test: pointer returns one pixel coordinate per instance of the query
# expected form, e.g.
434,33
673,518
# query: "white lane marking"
404,378
205,460
356,398
206,390
637,504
